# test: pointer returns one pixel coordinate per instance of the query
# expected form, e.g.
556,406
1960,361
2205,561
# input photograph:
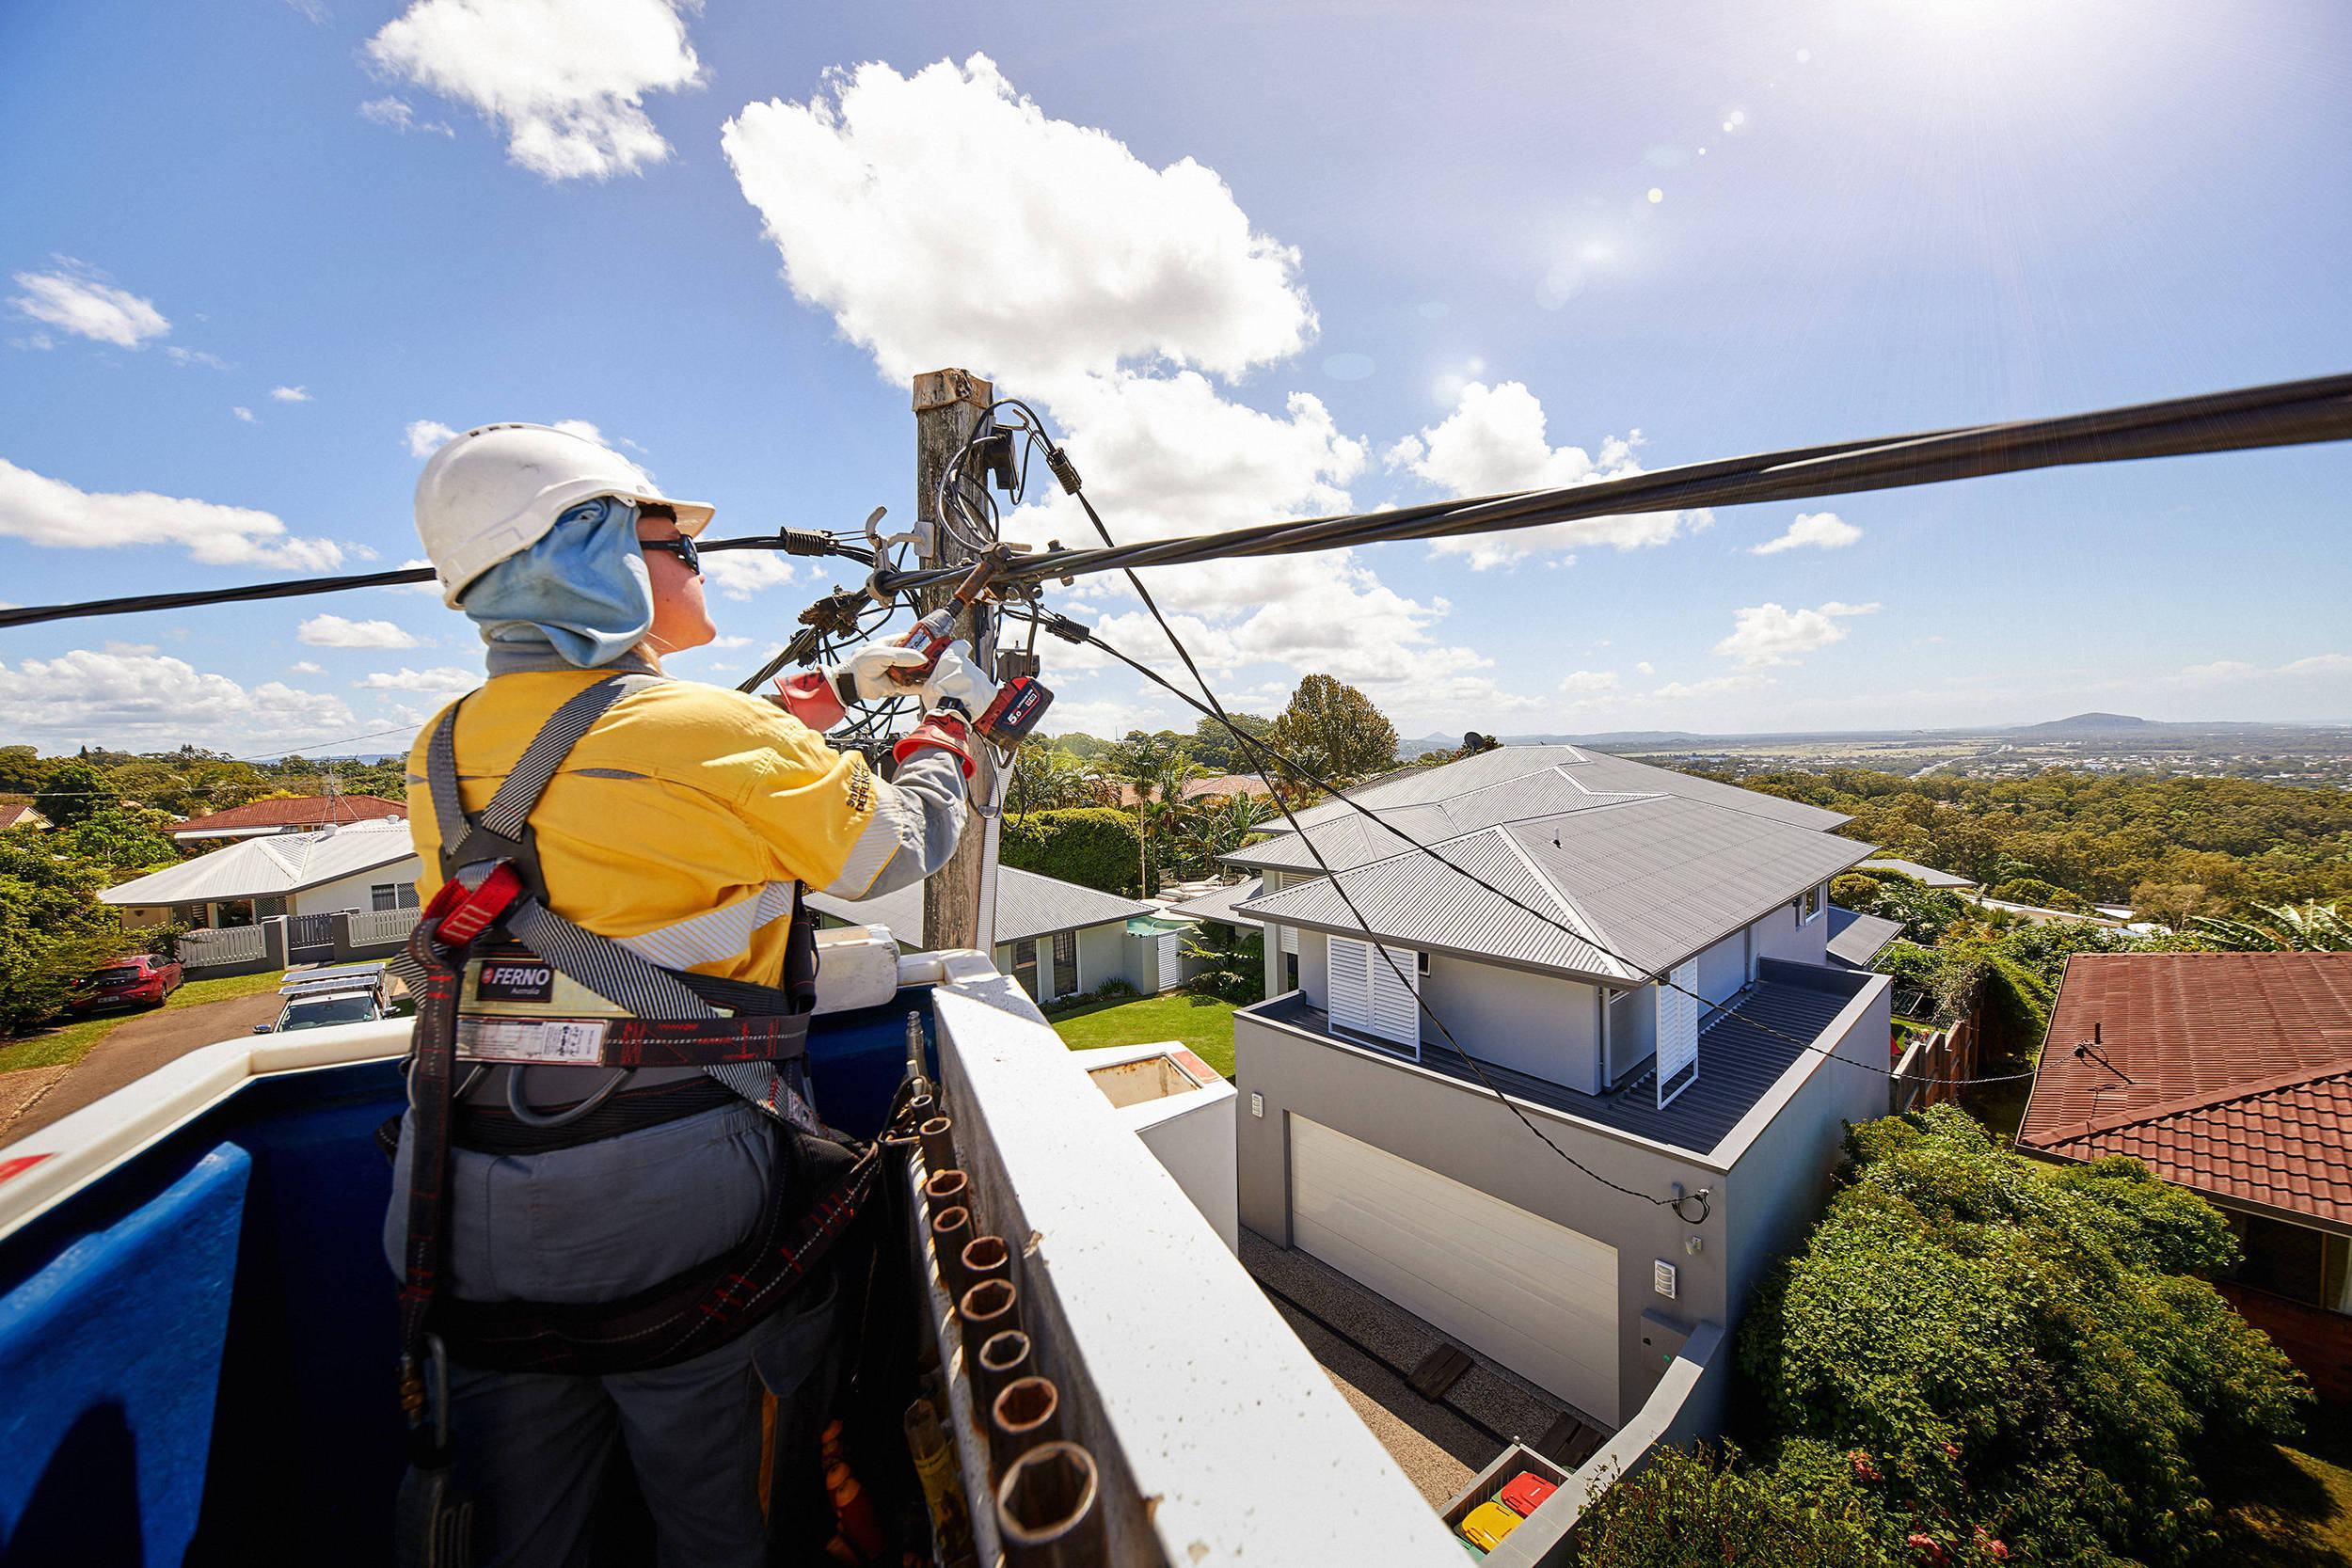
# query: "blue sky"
1255,262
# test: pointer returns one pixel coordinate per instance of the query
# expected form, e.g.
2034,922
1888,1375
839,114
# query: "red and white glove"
950,730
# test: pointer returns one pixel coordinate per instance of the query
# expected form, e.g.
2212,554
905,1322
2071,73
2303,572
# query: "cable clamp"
1064,627
1064,469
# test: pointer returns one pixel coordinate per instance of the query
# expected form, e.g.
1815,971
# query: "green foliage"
21,769
124,838
163,940
2042,895
2313,927
51,929
1046,777
1234,961
1083,746
1214,747
2101,836
1114,989
1092,845
72,790
1702,1509
2027,1352
1926,913
1333,730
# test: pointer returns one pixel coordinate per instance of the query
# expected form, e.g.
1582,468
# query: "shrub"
1233,960
1091,846
2042,895
2030,1352
51,929
1701,1510
163,940
1116,988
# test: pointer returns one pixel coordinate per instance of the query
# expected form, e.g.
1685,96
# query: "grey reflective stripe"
440,770
510,807
603,965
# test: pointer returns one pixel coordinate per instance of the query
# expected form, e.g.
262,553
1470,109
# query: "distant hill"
1410,749
2100,722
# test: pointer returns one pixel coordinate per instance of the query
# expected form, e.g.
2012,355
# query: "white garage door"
1538,1297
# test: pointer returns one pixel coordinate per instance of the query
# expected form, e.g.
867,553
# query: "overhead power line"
2282,413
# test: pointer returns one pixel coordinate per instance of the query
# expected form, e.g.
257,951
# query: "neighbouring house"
1057,938
1672,1022
20,813
365,867
2230,1074
300,814
1913,869
1216,786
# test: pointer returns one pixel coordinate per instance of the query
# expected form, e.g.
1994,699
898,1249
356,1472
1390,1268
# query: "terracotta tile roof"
1200,789
14,812
305,811
2240,1067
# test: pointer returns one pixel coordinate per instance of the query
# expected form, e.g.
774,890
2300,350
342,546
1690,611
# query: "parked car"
140,980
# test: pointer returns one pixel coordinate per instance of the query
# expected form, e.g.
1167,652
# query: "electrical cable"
791,541
2282,413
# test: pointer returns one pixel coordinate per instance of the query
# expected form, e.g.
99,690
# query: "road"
136,1049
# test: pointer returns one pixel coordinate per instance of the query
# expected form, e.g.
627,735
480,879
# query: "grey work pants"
597,1223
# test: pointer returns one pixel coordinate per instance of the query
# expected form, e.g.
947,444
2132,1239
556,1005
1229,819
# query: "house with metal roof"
293,813
368,866
2229,1074
1057,938
1603,965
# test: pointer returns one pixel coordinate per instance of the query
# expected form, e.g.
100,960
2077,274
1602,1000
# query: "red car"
141,980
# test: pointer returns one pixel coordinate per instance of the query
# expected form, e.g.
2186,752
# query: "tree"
1044,777
2173,904
21,769
2004,1351
1335,730
121,838
1232,962
51,929
74,789
1214,747
1217,826
2313,927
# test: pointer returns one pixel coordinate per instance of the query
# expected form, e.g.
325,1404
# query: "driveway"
133,1052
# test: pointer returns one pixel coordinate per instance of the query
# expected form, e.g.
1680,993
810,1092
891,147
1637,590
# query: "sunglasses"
682,547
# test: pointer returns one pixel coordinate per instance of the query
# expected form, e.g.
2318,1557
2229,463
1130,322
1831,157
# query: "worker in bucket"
601,1256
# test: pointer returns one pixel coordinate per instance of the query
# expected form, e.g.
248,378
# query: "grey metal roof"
1597,772
1926,874
271,867
1027,905
1218,905
1743,1051
1854,940
1641,884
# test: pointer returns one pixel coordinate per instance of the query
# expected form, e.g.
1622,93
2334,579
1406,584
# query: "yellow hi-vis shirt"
679,822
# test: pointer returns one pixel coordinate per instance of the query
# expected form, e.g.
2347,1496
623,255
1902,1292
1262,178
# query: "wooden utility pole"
959,899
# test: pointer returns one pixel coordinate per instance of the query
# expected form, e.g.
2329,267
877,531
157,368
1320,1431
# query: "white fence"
370,929
236,945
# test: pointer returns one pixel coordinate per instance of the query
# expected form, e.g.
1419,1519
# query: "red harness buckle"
463,915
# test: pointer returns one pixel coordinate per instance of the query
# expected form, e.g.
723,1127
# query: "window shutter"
1678,1032
1367,996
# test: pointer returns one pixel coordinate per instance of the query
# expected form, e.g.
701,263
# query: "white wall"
1724,968
351,892
1536,1023
1779,936
1100,957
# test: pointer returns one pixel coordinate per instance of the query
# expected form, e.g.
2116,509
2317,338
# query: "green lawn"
2289,1506
1202,1023
67,1043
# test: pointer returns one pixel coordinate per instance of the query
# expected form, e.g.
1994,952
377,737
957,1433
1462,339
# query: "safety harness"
500,977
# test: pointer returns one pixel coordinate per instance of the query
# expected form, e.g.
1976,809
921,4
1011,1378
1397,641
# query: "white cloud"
718,643
566,78
943,219
290,394
396,114
81,300
304,667
2223,671
1589,681
1821,530
444,678
334,631
582,428
740,574
427,437
137,701
1768,634
245,415
1494,442
51,512
430,586
1716,686
1644,669
196,357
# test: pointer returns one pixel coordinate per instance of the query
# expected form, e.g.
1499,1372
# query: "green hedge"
1091,846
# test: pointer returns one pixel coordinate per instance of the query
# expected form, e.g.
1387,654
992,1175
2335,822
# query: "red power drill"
932,635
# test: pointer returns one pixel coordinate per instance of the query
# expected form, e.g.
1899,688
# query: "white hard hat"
496,491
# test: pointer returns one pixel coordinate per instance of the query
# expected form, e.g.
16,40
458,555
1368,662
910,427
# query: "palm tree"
2313,927
1218,826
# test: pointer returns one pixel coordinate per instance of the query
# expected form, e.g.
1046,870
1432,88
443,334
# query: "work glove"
868,669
